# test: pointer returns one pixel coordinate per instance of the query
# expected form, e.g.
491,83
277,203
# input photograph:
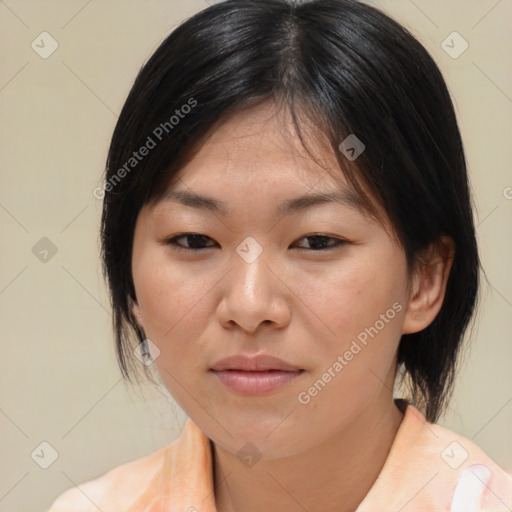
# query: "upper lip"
258,363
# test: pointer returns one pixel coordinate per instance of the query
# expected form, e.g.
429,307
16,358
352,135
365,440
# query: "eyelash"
174,242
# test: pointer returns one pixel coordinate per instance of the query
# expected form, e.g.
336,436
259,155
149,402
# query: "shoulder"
474,476
122,486
180,472
455,451
444,467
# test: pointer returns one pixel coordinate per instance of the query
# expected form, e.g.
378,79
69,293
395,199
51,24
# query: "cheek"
172,306
174,318
363,308
165,292
351,296
361,305
177,303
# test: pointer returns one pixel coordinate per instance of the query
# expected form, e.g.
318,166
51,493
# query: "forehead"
261,144
257,155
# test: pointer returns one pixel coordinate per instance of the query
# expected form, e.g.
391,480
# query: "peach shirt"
422,473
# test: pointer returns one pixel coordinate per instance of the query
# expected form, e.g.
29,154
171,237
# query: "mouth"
256,382
255,374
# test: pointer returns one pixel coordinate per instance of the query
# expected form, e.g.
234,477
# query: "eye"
323,242
195,241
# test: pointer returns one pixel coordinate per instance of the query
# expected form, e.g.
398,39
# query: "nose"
253,295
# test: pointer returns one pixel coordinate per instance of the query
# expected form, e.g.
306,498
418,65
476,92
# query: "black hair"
347,68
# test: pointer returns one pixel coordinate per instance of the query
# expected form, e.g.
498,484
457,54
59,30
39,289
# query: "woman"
287,229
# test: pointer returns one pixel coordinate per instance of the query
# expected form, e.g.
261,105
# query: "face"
319,285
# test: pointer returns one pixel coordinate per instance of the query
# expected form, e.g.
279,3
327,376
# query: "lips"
254,375
257,363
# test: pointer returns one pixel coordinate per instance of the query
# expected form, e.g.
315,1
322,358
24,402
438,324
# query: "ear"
429,285
137,314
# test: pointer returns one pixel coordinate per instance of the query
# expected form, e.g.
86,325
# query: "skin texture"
302,305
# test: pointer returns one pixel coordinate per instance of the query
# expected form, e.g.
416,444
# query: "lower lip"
255,383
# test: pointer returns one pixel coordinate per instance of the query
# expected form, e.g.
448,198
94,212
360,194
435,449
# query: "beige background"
59,381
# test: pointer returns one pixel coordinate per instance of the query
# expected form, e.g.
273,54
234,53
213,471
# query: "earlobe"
429,286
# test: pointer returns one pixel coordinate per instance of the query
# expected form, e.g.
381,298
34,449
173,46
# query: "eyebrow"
345,197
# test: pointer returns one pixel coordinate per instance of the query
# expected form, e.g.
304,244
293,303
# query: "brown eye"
322,242
194,241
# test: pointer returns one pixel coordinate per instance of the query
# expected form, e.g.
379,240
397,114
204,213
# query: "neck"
335,476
